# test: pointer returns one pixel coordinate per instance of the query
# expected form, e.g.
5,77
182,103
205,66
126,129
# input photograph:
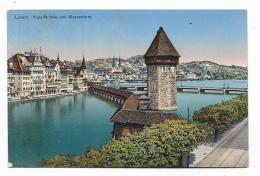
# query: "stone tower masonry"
161,59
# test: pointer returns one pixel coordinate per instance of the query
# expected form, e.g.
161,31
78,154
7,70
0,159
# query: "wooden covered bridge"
129,118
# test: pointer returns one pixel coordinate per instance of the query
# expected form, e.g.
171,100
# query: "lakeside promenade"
43,97
231,152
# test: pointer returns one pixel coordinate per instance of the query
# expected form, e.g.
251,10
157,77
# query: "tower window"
163,68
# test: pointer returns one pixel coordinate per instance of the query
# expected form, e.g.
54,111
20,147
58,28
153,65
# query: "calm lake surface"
68,125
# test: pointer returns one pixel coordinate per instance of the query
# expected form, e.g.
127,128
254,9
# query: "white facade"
70,82
38,77
67,82
53,78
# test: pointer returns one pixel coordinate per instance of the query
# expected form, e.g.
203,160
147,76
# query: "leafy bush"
161,145
222,115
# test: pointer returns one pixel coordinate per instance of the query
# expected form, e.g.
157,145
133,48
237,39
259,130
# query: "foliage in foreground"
222,115
161,145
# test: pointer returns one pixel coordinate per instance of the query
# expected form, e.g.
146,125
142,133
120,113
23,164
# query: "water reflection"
43,128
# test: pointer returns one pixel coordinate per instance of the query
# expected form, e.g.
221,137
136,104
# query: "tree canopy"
222,115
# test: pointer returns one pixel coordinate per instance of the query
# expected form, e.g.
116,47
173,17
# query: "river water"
68,125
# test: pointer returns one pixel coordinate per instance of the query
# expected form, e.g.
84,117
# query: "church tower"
119,62
83,68
58,57
161,59
114,63
83,64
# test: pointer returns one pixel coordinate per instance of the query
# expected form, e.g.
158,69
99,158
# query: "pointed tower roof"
161,49
83,64
161,46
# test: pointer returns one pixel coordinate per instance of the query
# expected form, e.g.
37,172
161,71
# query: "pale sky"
215,35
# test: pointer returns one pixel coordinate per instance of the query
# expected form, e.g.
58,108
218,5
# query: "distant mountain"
189,70
210,70
137,60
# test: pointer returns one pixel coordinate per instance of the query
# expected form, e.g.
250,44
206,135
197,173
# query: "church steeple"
83,64
119,62
114,62
58,57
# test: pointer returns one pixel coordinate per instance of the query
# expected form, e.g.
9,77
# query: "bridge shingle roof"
143,117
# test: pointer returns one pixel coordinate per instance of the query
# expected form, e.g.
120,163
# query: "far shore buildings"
32,74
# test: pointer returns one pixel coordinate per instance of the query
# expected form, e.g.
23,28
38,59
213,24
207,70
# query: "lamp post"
188,108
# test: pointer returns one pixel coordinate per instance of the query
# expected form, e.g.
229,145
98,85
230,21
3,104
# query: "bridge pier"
202,90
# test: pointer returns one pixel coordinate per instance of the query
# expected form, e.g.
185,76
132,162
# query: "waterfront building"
19,76
38,76
32,74
52,76
58,65
67,79
161,59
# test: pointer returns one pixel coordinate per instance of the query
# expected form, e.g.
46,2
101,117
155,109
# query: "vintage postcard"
127,88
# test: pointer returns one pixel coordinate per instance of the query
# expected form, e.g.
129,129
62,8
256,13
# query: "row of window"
168,69
26,89
37,77
38,73
164,68
26,83
24,78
